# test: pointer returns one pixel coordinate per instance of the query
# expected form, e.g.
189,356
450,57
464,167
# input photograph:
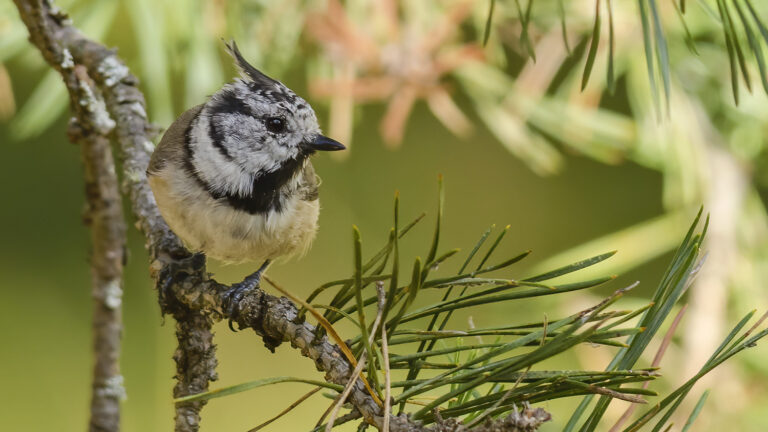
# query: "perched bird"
232,177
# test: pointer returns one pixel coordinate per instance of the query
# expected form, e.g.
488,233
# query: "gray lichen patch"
138,109
113,388
113,294
113,70
67,62
149,146
97,109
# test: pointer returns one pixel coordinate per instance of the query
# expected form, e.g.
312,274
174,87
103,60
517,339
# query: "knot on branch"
248,312
177,279
527,420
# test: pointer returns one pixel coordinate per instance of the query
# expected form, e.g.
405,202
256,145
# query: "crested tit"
232,177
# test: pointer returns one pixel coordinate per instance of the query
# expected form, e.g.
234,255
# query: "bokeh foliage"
524,87
641,81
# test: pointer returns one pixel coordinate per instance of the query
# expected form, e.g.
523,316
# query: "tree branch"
105,217
76,58
184,287
89,128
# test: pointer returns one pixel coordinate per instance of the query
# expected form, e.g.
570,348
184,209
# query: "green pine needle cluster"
462,376
739,20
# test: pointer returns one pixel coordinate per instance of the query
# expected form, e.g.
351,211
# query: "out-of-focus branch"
105,217
89,127
100,86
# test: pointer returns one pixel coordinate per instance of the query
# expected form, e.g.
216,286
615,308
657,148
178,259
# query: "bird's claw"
236,293
234,296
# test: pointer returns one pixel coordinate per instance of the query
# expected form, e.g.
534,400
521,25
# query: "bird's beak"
323,143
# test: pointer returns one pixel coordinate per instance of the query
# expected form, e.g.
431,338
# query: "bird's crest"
246,69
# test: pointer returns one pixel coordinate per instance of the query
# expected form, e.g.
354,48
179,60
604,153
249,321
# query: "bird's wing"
171,147
308,186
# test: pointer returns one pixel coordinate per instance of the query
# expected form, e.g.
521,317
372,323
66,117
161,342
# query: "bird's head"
260,124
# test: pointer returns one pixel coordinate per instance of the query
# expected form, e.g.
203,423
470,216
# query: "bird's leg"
238,290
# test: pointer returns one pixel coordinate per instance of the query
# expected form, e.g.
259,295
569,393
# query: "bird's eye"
275,124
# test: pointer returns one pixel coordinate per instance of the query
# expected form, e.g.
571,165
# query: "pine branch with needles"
425,371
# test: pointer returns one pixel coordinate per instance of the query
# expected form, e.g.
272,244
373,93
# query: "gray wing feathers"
171,147
308,187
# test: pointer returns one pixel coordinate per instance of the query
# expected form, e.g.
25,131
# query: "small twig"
346,418
667,339
90,127
387,375
196,363
656,362
105,217
325,413
356,372
755,326
488,411
608,392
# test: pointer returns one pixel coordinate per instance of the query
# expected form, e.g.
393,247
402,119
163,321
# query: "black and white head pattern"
251,139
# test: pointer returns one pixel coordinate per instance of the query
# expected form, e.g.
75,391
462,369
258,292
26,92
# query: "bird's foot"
236,292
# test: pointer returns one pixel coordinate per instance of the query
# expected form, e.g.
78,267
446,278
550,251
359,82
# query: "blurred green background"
561,166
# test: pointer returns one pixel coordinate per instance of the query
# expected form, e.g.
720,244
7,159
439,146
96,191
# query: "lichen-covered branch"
89,127
184,287
105,216
105,100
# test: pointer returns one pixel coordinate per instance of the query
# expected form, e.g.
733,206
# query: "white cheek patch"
269,158
221,174
256,151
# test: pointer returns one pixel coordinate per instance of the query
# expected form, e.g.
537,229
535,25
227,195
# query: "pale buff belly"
230,235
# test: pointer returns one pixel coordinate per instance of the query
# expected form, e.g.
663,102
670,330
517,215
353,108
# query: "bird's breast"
230,234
